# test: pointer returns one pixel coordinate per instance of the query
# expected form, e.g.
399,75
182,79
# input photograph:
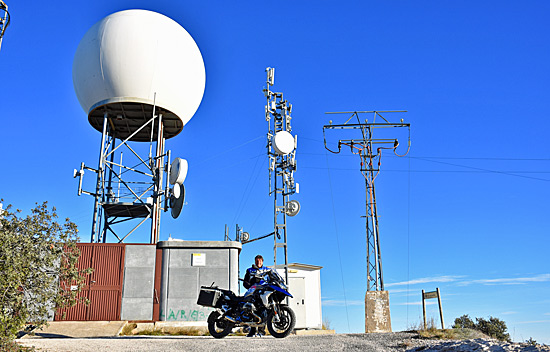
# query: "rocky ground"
401,341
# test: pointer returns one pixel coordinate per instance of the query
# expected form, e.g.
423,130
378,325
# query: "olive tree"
38,268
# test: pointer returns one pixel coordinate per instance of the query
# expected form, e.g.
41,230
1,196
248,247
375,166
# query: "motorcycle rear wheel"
285,325
217,326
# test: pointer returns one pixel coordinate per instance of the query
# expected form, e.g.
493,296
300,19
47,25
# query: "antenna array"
281,151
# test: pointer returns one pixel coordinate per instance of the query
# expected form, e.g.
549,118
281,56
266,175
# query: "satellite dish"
292,208
245,236
176,203
178,171
283,142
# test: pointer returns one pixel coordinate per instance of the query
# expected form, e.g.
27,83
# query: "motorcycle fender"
211,318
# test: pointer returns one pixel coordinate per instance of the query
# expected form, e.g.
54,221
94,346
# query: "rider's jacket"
250,276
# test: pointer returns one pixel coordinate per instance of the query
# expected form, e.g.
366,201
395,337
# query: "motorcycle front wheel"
217,326
284,325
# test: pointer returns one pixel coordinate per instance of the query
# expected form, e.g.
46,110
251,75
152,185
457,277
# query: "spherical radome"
133,59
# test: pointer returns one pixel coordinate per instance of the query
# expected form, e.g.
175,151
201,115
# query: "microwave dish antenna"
178,171
292,208
177,202
283,142
136,63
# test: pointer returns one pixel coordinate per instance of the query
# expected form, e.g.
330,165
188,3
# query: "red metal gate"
103,288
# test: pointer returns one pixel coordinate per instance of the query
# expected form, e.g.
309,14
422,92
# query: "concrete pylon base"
377,311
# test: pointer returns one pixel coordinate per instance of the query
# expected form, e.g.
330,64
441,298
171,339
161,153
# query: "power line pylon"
370,158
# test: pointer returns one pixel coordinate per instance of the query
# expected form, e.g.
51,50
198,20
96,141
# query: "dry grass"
187,331
127,329
432,332
130,329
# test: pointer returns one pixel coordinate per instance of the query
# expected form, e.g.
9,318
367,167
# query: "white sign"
198,259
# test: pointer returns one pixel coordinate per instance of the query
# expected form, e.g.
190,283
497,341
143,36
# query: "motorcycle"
262,305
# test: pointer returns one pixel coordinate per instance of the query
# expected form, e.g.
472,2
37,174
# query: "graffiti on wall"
185,314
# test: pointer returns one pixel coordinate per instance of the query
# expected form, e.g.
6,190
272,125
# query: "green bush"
36,254
493,327
464,322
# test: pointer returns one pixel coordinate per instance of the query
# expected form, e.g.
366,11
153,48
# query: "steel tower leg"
99,184
158,189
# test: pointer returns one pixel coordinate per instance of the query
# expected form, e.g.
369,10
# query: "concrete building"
188,265
304,283
152,282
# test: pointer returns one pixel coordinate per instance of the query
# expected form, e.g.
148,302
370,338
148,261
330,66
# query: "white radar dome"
131,60
283,142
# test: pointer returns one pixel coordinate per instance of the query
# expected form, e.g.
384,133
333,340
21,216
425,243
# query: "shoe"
252,332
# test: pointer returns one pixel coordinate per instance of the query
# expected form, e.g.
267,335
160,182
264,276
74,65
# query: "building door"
297,288
103,288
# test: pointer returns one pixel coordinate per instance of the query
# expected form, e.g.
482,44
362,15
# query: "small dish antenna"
292,208
283,142
176,202
245,236
178,171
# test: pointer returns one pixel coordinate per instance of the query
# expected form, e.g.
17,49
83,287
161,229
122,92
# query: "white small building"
304,283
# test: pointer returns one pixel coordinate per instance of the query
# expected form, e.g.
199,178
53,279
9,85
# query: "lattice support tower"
377,307
282,164
132,188
370,159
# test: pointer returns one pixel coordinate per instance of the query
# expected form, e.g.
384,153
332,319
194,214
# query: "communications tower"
4,19
140,78
281,151
369,150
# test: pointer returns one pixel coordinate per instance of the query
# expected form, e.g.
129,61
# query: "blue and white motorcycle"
262,305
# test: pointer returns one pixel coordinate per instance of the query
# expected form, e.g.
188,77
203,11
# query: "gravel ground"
400,341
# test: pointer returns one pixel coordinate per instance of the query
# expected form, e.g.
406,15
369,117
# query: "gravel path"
400,341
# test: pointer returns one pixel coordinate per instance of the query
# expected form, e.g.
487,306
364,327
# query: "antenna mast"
4,20
369,151
281,151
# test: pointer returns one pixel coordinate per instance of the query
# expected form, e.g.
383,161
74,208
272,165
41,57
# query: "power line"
482,169
437,171
337,241
451,158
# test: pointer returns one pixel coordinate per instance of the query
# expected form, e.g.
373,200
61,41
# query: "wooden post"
440,309
424,310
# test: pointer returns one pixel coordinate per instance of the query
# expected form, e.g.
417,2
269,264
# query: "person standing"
253,273
253,276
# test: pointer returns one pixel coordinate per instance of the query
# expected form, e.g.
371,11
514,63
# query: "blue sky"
465,211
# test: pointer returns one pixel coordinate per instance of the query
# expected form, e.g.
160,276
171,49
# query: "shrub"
493,327
36,254
464,322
